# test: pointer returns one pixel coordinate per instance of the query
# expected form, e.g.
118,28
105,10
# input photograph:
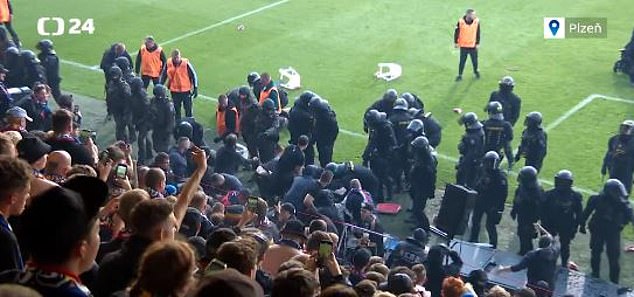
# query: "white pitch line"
218,24
571,112
80,65
616,99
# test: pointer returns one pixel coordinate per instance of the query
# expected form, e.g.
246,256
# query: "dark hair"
317,225
315,239
365,288
65,101
290,264
154,177
294,282
79,169
303,140
161,157
217,238
525,292
149,214
239,255
61,119
164,269
15,175
338,290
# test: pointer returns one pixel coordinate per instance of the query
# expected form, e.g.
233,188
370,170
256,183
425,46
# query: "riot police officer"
526,206
492,188
433,130
471,150
379,151
498,132
611,211
400,119
124,64
422,179
325,130
410,251
162,114
413,101
385,104
50,61
302,122
248,127
13,63
140,105
268,126
562,212
117,100
254,81
240,98
511,103
190,128
534,143
619,159
33,69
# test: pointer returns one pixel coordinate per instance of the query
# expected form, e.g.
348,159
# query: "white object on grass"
290,78
389,71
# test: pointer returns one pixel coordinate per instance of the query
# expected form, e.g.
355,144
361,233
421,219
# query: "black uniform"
619,160
325,133
492,188
197,134
562,212
50,62
248,128
526,208
498,135
117,101
6,101
162,112
609,216
422,180
533,147
301,122
408,253
268,134
141,120
400,119
107,60
511,104
34,73
471,150
379,153
433,129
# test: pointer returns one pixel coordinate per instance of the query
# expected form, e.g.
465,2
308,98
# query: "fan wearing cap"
5,97
150,61
410,251
15,178
291,245
35,152
37,109
60,252
511,103
16,119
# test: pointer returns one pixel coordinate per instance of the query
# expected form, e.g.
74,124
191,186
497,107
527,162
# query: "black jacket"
118,97
78,153
511,104
162,115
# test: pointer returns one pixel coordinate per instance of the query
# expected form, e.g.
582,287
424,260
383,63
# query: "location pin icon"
554,26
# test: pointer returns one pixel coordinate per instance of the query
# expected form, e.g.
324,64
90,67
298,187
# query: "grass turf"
335,45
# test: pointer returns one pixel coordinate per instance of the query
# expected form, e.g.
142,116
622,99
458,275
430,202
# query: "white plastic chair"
389,71
289,78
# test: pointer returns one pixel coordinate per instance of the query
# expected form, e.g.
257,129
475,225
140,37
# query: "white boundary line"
554,124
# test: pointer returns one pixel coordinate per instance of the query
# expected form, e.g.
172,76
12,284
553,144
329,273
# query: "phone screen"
122,171
325,249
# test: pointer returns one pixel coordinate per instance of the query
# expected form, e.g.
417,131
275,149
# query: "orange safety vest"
467,33
221,126
151,64
178,76
264,94
5,15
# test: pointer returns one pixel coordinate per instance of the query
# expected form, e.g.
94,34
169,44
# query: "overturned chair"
290,78
389,71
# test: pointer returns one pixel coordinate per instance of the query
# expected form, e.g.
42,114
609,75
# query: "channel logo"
554,28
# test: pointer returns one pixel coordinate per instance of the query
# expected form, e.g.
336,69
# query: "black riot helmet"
470,121
382,116
305,97
527,175
615,189
400,104
29,56
184,129
318,105
45,45
115,72
160,91
420,142
252,77
136,83
244,91
507,83
491,160
533,119
627,127
390,95
563,179
416,126
268,105
372,117
123,63
494,107
411,100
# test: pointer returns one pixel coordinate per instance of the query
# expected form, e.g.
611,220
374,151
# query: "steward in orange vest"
6,14
181,79
227,119
467,38
150,61
269,91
